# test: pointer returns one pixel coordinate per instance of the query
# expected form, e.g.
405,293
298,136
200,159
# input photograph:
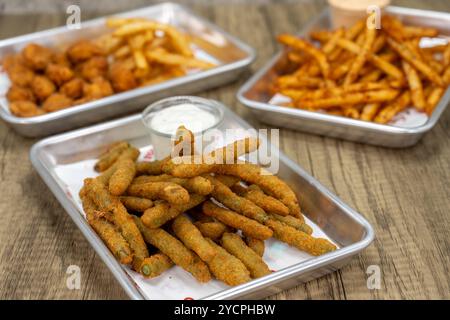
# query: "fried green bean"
228,268
150,168
131,153
199,269
107,232
166,243
121,219
255,244
192,238
175,250
293,222
136,203
248,226
163,212
299,239
258,197
184,143
169,191
197,185
122,177
229,181
191,166
107,159
236,203
269,183
234,244
213,229
155,265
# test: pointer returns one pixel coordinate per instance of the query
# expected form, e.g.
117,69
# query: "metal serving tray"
63,161
255,94
211,43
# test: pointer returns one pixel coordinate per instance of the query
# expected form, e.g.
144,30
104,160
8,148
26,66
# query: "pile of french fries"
364,73
154,51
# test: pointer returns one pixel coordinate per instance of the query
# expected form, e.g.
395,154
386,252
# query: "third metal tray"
256,95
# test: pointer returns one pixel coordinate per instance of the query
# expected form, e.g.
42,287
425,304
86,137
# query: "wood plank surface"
405,193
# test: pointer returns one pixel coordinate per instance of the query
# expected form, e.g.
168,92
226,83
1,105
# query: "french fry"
350,99
384,65
415,86
433,99
140,60
362,56
302,45
390,110
416,61
369,111
161,56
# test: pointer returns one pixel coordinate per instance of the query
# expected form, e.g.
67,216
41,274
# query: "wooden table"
403,193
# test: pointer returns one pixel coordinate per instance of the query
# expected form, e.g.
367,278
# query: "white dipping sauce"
191,116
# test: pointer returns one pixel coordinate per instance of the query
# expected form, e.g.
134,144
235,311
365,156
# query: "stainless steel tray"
63,161
231,54
255,95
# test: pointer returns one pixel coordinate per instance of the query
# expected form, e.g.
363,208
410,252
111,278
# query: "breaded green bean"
197,185
169,191
255,244
258,197
136,203
162,211
199,269
231,152
228,268
229,181
155,265
213,229
107,159
191,166
131,153
293,222
107,232
237,247
236,203
174,249
230,218
122,177
199,216
150,168
121,219
299,239
166,243
192,238
184,143
269,183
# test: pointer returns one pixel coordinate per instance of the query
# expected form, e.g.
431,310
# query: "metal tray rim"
250,57
304,114
112,263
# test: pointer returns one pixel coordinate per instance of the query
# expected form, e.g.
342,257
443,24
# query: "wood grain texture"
405,194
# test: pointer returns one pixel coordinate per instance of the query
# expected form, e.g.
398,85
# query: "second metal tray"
231,55
255,95
63,161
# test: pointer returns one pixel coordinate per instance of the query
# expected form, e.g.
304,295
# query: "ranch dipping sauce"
163,118
194,118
